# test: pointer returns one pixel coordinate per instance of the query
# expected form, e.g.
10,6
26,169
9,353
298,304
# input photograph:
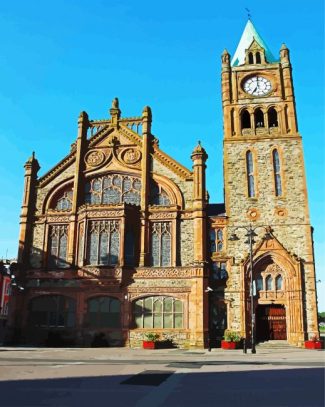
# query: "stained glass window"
158,312
58,242
161,244
64,203
158,196
104,312
52,311
103,242
277,173
250,174
113,189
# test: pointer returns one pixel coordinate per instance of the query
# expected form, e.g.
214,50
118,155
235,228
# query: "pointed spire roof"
246,40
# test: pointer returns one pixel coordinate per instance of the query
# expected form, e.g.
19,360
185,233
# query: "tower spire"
249,35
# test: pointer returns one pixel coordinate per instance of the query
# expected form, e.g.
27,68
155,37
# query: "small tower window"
250,174
272,117
219,240
278,283
250,58
269,283
258,58
277,173
259,118
245,120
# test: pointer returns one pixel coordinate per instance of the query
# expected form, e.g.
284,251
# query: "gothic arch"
53,192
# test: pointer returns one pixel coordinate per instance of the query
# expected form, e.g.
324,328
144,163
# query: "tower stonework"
265,186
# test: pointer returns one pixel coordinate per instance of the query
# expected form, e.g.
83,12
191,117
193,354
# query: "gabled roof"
246,40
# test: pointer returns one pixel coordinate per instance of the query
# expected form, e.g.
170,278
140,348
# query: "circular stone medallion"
95,158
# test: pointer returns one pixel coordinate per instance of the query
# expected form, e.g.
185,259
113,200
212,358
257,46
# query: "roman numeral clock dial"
257,86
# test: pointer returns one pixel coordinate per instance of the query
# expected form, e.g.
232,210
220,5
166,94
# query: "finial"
115,103
249,16
283,46
147,112
33,155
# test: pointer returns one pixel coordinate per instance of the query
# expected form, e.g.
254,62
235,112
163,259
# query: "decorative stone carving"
168,273
95,158
59,219
131,156
158,290
105,214
253,214
163,215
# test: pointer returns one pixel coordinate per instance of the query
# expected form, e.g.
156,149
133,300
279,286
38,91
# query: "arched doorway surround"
278,296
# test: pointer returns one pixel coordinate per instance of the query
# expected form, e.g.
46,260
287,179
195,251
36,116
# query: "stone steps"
275,345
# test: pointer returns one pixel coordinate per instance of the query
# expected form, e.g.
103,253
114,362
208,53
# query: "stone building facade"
119,239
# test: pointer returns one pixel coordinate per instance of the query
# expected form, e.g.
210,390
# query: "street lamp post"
250,234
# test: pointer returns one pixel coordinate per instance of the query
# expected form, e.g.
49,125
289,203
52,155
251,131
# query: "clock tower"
265,188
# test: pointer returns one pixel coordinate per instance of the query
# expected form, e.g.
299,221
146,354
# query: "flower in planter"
231,336
151,337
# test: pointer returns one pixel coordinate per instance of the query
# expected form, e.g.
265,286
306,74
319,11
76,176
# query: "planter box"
149,345
313,344
229,345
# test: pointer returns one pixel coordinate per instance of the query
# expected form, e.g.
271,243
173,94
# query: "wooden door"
271,323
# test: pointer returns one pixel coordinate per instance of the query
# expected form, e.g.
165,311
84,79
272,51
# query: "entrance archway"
271,322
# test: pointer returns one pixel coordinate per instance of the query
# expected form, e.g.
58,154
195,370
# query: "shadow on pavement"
262,388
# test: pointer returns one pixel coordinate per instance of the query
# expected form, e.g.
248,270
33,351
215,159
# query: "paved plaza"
167,377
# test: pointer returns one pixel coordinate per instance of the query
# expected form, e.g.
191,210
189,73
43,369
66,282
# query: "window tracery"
216,240
158,312
104,242
58,240
161,244
158,196
113,189
64,203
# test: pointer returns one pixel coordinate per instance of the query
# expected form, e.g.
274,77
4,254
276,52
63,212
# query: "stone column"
27,209
199,157
78,184
226,90
145,184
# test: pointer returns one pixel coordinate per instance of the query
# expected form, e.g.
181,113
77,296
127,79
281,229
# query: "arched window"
278,283
161,244
52,311
250,174
259,283
58,243
104,312
272,116
258,58
277,173
245,120
158,312
104,242
158,195
64,203
259,118
113,189
269,283
250,58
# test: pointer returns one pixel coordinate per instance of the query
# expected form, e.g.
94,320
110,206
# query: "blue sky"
58,58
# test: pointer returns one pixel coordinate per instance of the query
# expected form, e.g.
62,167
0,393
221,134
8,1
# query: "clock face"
257,86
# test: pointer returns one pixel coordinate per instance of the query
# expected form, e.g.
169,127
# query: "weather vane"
248,13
